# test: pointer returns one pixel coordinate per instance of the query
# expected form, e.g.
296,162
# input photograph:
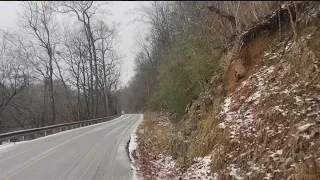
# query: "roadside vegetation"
218,70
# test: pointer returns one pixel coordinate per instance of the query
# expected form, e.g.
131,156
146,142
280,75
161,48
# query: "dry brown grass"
153,136
153,139
208,135
207,139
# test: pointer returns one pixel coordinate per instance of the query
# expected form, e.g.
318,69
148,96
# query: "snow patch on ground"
133,145
166,165
304,127
239,121
235,172
169,170
264,107
6,146
200,170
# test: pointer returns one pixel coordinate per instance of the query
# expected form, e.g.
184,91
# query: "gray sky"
119,10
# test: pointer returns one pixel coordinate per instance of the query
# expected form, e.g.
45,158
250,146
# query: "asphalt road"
93,152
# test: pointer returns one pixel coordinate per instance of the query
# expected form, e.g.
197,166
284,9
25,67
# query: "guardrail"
44,131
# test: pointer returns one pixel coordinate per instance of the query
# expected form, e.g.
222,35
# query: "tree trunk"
84,89
104,85
53,107
67,92
95,70
43,123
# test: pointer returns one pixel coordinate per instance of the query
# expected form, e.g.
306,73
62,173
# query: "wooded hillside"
60,65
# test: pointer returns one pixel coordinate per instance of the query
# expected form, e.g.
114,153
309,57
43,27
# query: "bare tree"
85,11
50,76
13,73
38,17
73,53
105,39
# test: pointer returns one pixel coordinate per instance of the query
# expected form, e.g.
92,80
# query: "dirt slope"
262,121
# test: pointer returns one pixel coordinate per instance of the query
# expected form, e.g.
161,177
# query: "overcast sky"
119,9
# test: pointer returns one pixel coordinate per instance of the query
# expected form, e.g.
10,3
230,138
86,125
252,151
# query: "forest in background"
59,65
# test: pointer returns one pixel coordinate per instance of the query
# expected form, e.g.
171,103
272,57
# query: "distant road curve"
96,152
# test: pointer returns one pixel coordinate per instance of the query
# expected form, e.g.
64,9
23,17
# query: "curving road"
96,152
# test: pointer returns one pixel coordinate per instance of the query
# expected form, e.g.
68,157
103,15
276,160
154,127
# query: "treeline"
183,49
60,65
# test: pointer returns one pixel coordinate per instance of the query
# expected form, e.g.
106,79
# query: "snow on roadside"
161,166
5,146
133,145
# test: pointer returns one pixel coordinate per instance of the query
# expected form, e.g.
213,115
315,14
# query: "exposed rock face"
239,69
